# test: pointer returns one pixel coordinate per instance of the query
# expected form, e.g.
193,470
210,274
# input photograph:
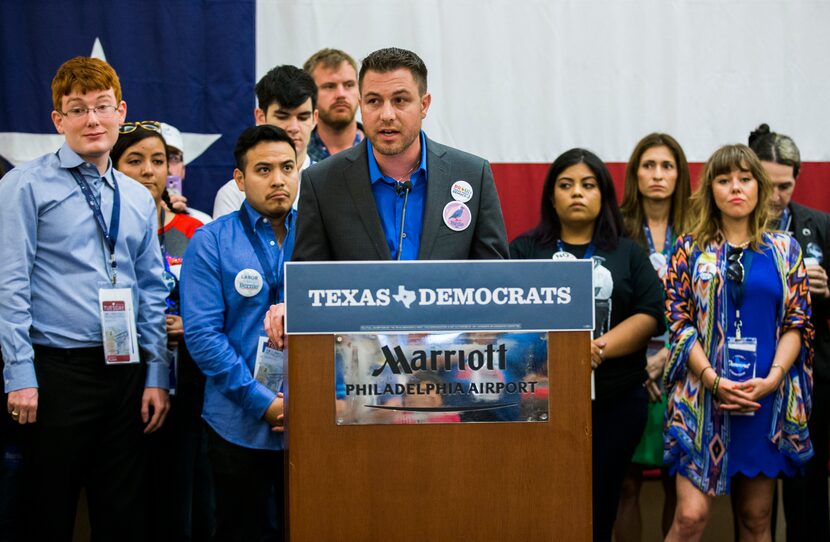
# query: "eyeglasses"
734,267
130,127
175,157
101,111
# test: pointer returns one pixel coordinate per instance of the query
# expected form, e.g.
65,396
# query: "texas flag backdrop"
515,81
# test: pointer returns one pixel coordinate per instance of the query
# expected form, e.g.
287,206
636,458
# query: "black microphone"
403,188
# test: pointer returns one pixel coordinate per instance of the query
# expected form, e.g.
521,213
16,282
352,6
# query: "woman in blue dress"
739,372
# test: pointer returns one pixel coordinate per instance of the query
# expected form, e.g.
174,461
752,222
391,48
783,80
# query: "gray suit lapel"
438,181
357,180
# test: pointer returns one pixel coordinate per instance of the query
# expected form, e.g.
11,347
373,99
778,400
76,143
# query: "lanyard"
736,291
111,234
162,235
784,221
167,275
667,245
589,252
269,271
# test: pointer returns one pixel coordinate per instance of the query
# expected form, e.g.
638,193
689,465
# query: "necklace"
736,245
407,174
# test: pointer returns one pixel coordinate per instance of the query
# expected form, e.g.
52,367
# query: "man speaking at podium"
398,195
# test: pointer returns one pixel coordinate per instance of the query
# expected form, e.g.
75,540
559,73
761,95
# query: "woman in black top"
581,219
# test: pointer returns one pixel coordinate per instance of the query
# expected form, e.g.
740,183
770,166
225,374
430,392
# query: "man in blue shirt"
232,273
397,195
82,292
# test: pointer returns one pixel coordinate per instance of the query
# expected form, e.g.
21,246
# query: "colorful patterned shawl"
697,432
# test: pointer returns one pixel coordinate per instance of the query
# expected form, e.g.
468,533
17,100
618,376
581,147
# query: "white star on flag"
20,147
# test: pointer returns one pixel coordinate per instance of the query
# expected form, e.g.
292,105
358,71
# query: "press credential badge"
269,369
118,325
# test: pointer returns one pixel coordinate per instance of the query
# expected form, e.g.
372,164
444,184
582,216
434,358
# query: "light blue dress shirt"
390,205
53,260
222,327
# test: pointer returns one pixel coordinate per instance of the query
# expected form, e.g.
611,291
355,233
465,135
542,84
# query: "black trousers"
88,433
247,483
805,496
618,427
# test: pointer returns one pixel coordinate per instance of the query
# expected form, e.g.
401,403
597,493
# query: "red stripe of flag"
520,189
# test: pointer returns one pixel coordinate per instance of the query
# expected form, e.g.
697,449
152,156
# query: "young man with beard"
335,74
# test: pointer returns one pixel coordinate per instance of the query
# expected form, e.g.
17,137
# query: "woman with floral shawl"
739,373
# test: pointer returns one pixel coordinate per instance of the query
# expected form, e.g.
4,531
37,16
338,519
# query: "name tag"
742,358
742,355
269,369
118,329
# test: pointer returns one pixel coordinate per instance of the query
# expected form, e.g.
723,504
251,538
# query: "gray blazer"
337,218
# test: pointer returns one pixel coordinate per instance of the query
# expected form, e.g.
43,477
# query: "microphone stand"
404,188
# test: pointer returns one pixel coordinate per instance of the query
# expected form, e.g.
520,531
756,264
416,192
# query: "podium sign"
441,378
418,477
431,296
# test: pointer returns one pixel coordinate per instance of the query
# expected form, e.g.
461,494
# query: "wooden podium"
473,481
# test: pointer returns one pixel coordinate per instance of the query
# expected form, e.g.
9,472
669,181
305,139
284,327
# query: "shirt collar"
254,216
70,159
374,170
317,140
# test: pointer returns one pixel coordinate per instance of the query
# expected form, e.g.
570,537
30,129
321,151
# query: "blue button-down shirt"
53,261
390,205
222,327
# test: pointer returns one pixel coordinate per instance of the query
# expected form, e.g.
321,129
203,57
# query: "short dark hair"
392,58
329,59
255,135
608,226
776,148
288,86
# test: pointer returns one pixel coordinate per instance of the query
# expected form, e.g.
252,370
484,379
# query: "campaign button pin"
660,263
248,282
457,216
562,256
461,191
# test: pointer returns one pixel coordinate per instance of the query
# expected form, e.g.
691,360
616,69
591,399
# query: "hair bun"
759,132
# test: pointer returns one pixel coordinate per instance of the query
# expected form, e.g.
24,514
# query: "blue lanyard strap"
667,245
256,244
589,252
111,234
784,221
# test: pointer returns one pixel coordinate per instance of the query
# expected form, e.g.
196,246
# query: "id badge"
118,329
742,357
269,369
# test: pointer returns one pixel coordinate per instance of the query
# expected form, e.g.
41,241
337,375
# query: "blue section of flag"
189,63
